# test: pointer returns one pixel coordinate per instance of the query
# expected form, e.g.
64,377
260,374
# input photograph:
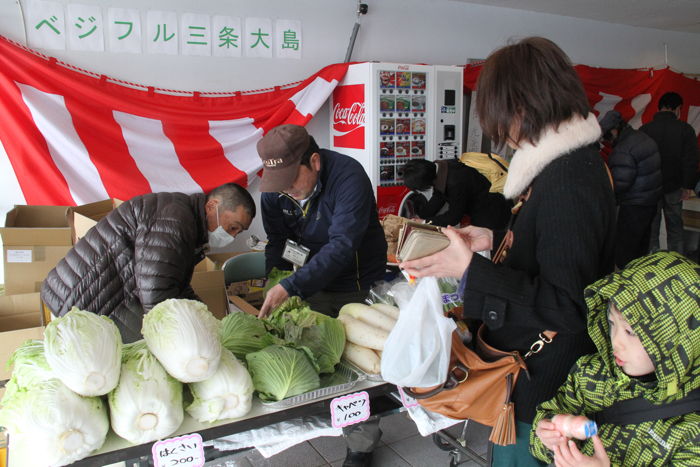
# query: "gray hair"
232,195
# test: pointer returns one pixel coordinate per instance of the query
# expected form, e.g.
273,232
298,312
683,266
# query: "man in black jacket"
635,165
678,147
448,190
320,205
144,252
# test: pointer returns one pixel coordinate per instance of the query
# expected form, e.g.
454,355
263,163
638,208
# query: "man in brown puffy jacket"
144,252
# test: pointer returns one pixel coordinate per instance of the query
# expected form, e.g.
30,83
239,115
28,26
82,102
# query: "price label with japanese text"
407,400
350,409
182,451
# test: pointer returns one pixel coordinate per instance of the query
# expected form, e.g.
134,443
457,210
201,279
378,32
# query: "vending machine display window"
403,104
418,149
387,79
403,79
387,103
386,149
418,103
418,81
386,126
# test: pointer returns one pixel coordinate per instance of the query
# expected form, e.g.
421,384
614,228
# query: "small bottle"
575,426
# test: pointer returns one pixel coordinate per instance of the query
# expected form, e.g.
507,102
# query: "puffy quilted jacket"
659,297
142,253
635,164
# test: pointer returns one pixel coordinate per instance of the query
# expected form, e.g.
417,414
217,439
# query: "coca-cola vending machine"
384,114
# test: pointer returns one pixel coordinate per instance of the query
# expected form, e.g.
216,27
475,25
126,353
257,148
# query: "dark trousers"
362,437
633,233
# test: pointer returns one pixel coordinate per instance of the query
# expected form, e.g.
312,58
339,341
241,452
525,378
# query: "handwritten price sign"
350,409
407,400
182,451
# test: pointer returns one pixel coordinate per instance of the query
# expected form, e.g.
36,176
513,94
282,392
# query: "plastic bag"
417,352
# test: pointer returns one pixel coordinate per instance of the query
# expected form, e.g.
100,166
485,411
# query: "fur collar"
528,161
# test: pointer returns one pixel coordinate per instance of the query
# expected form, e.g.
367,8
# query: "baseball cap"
281,150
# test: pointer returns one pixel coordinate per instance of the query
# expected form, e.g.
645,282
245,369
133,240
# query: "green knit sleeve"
569,399
689,454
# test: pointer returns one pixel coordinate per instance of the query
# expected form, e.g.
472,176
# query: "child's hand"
568,455
548,434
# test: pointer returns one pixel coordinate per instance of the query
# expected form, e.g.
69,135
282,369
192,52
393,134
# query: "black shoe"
357,459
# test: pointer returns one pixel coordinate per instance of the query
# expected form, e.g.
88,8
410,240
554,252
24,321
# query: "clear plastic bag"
417,352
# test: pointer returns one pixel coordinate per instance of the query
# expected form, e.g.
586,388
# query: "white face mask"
219,238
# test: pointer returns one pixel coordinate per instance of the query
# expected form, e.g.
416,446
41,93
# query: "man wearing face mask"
144,252
320,215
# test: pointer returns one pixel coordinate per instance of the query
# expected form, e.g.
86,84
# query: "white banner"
45,24
258,37
124,30
161,32
195,34
227,36
288,39
85,28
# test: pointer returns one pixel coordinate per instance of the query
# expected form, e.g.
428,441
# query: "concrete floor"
401,446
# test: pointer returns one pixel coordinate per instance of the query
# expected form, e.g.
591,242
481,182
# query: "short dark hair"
313,148
232,195
532,80
670,100
419,174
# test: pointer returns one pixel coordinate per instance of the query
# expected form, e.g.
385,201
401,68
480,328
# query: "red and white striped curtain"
73,137
634,93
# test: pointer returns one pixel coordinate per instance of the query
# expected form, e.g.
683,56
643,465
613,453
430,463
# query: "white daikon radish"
363,358
369,315
388,310
360,333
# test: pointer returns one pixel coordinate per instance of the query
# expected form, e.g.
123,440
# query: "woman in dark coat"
530,97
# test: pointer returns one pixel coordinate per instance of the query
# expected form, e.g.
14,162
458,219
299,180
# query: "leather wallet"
417,240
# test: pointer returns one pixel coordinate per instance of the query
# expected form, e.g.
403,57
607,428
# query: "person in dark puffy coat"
635,165
144,252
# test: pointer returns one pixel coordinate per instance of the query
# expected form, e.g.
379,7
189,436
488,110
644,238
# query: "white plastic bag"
417,352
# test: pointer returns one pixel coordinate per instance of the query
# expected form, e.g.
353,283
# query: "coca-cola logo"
351,116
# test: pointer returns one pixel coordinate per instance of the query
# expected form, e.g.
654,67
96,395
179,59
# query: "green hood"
659,295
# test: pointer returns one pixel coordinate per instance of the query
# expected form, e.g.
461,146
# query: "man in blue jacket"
320,216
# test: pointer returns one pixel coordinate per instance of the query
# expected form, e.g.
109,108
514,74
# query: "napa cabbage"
184,337
52,422
146,405
227,394
84,351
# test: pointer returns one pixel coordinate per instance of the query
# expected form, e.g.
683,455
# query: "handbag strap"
638,410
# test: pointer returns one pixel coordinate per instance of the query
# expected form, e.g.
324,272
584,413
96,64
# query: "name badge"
295,253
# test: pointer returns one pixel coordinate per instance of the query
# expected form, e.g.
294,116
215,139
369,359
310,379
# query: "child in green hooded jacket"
645,323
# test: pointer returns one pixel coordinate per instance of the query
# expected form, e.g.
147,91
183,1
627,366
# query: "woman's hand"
547,433
450,262
568,455
479,238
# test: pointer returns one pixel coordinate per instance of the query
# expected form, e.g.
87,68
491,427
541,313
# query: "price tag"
182,451
407,400
350,409
19,256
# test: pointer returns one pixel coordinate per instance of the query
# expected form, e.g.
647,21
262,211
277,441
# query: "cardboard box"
691,214
20,320
35,239
242,305
83,218
208,283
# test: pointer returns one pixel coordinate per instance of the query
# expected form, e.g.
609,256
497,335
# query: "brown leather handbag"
479,385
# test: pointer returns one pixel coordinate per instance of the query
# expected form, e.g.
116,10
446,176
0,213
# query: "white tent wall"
412,31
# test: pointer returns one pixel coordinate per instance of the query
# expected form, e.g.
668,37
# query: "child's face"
627,348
